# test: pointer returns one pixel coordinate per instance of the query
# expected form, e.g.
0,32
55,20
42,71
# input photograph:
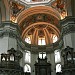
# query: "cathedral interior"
37,37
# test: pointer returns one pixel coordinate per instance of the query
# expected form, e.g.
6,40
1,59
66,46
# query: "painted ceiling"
34,19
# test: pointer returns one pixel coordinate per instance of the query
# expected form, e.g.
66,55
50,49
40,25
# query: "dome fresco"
40,28
39,22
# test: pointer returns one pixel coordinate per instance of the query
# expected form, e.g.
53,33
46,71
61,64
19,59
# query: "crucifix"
43,54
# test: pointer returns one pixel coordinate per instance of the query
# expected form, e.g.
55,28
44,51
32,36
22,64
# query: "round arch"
35,10
40,23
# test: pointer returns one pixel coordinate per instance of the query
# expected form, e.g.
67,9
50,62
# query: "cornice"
68,19
68,25
9,29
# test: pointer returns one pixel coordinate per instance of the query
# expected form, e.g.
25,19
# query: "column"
68,31
52,61
9,33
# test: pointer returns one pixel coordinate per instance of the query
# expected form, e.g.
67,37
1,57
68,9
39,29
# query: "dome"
40,25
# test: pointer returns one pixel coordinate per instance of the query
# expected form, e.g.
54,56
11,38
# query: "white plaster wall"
3,44
67,40
7,43
12,43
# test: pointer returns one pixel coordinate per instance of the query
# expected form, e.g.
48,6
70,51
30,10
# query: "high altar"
42,67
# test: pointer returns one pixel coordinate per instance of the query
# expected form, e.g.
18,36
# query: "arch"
35,10
27,68
40,23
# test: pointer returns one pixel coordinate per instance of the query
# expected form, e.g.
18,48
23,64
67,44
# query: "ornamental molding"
9,29
68,25
70,28
36,10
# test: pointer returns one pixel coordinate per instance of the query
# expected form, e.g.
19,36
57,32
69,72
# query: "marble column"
68,31
9,33
10,38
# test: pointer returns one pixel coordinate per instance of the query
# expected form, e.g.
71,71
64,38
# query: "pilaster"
9,32
68,31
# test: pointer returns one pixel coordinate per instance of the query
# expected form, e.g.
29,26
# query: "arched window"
27,68
41,41
58,68
54,38
57,56
27,57
28,39
42,55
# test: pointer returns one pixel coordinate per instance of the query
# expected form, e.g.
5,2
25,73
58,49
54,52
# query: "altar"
42,67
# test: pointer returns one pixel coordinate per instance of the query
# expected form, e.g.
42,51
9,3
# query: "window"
27,57
58,68
54,38
11,57
27,68
3,59
28,39
42,55
57,56
41,41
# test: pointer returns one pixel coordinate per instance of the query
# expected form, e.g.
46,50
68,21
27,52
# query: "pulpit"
42,67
